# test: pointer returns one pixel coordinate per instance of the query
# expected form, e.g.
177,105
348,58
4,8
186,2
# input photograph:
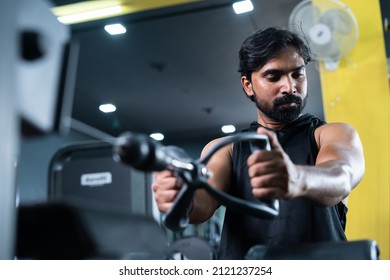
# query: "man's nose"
288,85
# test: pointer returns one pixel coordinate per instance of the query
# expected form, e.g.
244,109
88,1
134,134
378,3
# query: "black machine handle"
146,154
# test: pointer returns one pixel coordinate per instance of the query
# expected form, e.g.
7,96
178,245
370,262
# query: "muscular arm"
339,165
339,168
204,205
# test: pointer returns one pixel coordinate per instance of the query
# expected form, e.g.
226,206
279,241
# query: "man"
312,166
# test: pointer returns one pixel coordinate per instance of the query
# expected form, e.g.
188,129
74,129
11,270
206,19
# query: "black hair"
267,43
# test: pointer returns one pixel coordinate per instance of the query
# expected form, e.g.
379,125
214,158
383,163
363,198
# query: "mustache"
288,99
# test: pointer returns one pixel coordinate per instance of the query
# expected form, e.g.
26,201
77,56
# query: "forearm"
202,208
328,183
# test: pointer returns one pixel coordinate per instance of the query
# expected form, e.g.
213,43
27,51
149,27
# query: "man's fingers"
273,139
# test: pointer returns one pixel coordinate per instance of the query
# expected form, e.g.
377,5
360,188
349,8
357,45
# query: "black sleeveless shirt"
299,220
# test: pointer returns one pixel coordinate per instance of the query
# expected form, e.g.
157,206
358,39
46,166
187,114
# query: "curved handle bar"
177,219
177,216
263,208
246,136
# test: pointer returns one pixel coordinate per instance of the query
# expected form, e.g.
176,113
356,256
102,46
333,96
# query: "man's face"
279,88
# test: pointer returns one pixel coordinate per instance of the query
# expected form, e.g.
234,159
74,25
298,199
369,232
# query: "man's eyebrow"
272,71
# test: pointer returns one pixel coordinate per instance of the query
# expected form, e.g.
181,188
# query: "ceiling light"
228,128
243,6
107,108
90,15
157,136
115,29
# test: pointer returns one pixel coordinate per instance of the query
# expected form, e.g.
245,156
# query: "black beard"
281,113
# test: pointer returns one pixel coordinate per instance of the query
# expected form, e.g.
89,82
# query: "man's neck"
269,123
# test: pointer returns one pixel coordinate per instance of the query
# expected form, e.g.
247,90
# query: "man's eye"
273,78
297,75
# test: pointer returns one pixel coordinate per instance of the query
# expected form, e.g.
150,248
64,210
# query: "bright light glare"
228,128
107,108
157,136
89,15
243,6
115,29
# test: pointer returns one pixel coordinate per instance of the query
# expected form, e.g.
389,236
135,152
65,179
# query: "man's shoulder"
335,129
214,143
337,126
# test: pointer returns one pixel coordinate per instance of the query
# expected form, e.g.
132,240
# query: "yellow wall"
358,93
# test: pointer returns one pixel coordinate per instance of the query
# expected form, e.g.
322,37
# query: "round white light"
243,6
228,128
115,29
157,136
107,108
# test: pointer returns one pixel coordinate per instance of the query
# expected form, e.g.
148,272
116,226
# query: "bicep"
340,144
220,166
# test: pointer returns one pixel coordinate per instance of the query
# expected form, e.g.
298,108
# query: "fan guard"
329,27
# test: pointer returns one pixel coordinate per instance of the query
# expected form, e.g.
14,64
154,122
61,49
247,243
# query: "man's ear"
247,86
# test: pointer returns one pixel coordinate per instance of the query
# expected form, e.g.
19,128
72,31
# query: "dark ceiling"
175,70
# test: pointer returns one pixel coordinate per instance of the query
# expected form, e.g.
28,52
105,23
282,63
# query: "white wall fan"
329,27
